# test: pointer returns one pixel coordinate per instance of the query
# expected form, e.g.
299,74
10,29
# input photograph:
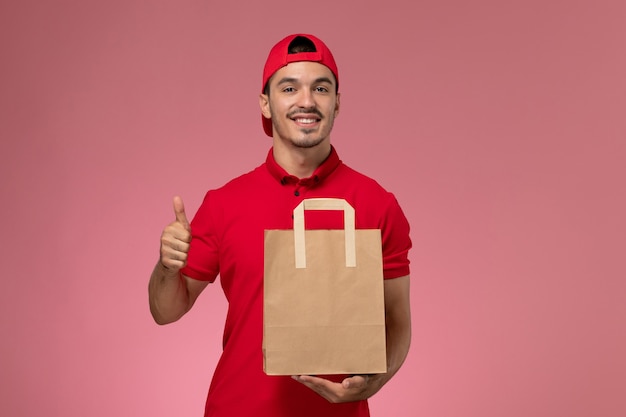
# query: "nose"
305,99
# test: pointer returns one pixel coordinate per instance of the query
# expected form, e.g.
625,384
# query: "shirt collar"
320,174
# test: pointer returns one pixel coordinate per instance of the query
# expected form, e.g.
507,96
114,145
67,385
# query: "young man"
299,103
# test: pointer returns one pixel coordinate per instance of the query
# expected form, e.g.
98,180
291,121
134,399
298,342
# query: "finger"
320,385
355,382
332,391
176,238
169,257
173,264
172,258
179,211
176,232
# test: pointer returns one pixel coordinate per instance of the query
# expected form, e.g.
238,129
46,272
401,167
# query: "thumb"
179,211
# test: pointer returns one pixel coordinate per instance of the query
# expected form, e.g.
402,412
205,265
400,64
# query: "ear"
337,106
264,104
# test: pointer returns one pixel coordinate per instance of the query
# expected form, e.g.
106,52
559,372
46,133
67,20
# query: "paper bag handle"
324,204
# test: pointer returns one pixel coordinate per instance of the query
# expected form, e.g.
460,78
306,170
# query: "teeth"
305,120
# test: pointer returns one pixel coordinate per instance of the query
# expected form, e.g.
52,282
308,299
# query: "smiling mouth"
304,118
305,121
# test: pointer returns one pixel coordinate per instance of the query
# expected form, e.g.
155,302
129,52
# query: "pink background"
499,125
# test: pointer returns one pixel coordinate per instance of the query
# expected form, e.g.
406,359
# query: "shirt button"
296,193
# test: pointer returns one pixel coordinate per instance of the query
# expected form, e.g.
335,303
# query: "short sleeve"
396,241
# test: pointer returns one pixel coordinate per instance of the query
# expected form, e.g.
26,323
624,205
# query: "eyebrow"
288,80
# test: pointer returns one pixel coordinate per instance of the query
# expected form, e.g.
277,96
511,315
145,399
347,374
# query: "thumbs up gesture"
175,239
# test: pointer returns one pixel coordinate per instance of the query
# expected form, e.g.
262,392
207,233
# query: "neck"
300,162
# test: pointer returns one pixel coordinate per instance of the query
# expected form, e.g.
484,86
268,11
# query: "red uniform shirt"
227,240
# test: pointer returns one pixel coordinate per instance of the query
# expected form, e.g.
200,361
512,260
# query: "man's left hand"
354,388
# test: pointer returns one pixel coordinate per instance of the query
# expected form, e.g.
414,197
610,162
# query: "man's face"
302,103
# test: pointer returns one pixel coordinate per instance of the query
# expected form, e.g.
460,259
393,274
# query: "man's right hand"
175,239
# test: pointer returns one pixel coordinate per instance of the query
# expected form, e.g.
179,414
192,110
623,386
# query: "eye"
321,89
288,90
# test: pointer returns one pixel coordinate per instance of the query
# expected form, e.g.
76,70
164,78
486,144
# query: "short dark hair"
301,44
298,45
